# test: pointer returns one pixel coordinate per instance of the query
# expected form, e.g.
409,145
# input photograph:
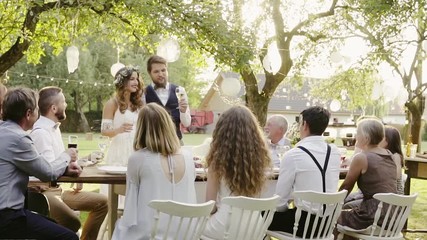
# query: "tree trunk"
82,123
416,108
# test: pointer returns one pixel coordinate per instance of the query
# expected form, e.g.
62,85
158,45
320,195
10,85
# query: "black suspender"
322,170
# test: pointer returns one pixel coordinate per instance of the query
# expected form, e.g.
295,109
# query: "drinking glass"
103,142
179,94
72,141
281,150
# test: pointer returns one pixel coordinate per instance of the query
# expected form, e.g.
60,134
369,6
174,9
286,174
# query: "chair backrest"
323,210
37,202
396,209
175,220
202,149
249,218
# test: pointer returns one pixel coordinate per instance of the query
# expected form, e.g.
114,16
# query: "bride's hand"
125,127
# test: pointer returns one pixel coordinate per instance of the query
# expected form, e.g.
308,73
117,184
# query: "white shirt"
298,172
48,139
274,156
163,94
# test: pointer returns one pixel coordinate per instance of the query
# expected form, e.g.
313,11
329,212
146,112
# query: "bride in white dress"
120,114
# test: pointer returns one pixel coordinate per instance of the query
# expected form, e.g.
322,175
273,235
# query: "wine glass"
281,150
72,141
103,142
179,94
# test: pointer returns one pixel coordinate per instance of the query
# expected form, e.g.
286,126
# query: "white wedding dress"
121,146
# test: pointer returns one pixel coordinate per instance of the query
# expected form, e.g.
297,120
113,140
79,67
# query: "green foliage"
356,83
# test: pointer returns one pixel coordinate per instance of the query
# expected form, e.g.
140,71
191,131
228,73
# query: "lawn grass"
416,219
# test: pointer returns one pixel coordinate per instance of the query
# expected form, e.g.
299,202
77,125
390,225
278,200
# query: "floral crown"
124,74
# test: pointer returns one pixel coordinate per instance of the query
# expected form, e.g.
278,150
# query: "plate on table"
201,171
113,169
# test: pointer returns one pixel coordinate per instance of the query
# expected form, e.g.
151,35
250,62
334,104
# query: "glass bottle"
408,146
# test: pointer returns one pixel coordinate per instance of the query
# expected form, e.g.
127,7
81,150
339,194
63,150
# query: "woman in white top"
158,169
238,162
120,113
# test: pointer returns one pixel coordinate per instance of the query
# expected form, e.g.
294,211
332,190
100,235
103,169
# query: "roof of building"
287,97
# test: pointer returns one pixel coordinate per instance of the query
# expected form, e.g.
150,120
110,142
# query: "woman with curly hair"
238,163
120,114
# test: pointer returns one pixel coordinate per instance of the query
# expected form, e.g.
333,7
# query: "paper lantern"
115,68
169,49
336,57
272,60
230,87
376,91
335,105
72,58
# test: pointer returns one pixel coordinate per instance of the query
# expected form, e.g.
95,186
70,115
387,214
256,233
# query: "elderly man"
18,160
276,127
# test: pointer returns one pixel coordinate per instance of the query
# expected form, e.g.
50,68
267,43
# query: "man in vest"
166,94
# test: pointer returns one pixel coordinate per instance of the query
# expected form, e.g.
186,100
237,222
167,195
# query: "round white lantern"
376,91
272,60
336,57
72,58
335,105
116,67
230,87
169,49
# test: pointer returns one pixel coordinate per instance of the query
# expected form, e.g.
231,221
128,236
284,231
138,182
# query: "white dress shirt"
48,139
163,94
298,172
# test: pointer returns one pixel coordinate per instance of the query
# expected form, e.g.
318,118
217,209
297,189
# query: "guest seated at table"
311,165
276,128
158,169
238,164
392,141
48,142
374,171
18,160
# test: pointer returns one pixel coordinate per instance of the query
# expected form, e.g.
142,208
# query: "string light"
51,78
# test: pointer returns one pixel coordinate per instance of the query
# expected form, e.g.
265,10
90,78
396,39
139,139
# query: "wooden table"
116,184
415,168
116,187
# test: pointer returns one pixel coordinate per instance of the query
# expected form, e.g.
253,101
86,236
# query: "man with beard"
18,160
165,94
48,141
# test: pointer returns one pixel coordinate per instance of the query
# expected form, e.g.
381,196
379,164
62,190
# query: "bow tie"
159,87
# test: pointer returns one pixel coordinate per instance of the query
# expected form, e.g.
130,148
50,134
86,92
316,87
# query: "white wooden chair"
174,220
246,220
397,212
202,150
324,208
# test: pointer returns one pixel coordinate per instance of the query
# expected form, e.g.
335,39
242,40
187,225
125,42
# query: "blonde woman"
237,161
158,169
120,114
374,171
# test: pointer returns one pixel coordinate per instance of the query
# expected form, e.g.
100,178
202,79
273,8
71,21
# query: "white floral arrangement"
123,74
293,133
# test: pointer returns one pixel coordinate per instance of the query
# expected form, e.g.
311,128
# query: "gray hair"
280,120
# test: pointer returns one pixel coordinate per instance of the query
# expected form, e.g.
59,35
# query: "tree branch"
29,25
313,17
